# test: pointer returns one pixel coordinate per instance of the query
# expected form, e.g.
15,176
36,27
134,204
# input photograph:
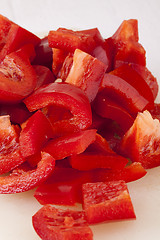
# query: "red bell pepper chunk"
69,40
141,143
15,37
10,155
28,50
18,78
95,34
86,73
35,133
87,161
148,77
123,93
70,144
64,95
132,52
155,112
107,108
59,56
43,53
127,73
101,54
18,112
66,67
127,31
106,201
44,75
98,155
63,187
22,179
52,223
130,173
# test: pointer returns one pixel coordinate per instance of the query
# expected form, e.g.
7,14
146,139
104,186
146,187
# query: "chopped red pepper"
74,143
67,96
86,73
106,201
21,180
52,223
35,133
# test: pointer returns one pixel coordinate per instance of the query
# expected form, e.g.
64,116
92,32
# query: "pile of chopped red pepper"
78,120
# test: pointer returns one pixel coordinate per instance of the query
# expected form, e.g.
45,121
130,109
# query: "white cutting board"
43,15
16,212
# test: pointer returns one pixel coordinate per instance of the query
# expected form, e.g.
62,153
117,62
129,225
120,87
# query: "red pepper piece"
67,96
130,173
66,67
155,112
43,53
132,52
124,93
74,143
59,56
127,31
98,155
106,201
15,37
86,73
10,155
18,112
44,75
141,143
95,34
148,77
63,187
28,50
69,40
53,223
107,108
22,179
127,73
18,78
36,131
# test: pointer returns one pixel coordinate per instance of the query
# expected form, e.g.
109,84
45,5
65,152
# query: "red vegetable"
35,133
44,75
86,73
43,53
141,141
10,155
107,201
21,180
148,77
123,93
18,78
131,76
69,40
52,223
14,37
63,187
74,143
67,96
18,112
108,108
130,173
98,155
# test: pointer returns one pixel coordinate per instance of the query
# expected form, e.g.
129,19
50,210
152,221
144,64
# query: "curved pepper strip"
74,143
98,155
107,108
122,92
21,180
66,96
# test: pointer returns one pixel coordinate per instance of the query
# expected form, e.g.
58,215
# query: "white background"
43,15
